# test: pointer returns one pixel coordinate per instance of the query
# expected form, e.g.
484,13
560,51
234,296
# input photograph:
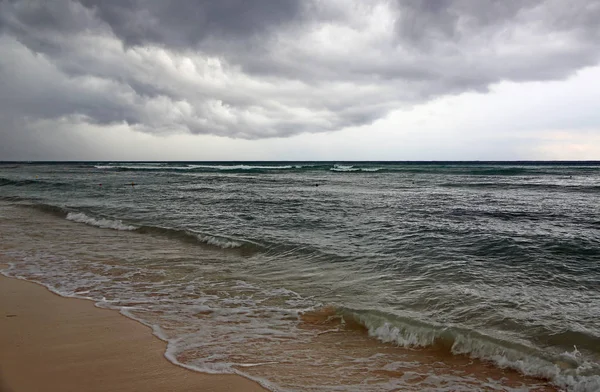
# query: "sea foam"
566,370
80,217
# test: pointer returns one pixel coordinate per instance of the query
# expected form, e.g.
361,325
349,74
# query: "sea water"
322,276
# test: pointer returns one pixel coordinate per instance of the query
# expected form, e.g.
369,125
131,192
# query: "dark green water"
500,262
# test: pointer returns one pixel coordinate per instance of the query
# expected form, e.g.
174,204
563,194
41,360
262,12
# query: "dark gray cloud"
274,68
423,23
186,23
427,24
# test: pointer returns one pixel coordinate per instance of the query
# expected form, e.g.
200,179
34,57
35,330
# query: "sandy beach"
52,343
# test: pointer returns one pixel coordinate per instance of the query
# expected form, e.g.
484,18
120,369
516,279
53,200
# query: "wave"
244,167
24,182
49,209
220,242
13,198
352,168
474,169
80,217
568,370
195,167
533,186
502,171
240,168
508,215
8,181
245,248
125,168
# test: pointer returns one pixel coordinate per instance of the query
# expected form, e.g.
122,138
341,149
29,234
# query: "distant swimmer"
316,184
132,184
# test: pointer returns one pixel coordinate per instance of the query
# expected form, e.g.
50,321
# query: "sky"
299,80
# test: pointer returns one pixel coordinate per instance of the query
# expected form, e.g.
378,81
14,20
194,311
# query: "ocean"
329,276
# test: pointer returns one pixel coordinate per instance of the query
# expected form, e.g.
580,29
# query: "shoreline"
54,343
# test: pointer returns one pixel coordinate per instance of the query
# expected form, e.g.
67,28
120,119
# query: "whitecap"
80,217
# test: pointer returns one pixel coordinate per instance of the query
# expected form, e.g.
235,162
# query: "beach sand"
50,343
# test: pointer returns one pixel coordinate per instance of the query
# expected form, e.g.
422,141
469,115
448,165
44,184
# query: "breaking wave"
478,169
48,209
194,167
352,168
243,168
207,240
80,217
566,370
245,247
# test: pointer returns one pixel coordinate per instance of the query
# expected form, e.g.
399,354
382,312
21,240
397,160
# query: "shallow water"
382,277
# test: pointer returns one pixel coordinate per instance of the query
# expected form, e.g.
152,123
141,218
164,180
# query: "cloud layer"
273,68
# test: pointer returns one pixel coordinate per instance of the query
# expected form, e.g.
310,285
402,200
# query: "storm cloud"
273,68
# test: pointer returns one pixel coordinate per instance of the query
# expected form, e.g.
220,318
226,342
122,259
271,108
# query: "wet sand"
50,343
